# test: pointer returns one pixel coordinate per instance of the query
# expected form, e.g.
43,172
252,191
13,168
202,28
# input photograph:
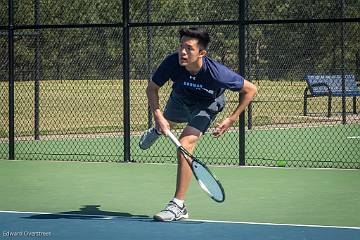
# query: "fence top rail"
166,24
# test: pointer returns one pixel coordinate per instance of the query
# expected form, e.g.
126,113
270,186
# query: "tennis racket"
207,181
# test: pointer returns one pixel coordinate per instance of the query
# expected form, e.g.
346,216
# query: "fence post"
247,54
11,80
126,80
242,72
343,98
149,52
37,73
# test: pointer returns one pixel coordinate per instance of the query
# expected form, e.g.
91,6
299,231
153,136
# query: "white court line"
274,224
353,137
193,220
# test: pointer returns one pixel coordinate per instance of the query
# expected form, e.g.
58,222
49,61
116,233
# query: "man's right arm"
152,92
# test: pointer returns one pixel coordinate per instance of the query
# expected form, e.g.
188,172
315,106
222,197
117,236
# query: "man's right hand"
161,124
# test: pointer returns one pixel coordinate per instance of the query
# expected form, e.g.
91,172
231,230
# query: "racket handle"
173,138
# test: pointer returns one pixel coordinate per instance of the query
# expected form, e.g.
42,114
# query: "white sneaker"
172,212
148,138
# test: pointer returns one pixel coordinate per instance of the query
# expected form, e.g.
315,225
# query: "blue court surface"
26,225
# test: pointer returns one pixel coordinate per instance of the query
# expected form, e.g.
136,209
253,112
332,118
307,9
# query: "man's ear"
203,52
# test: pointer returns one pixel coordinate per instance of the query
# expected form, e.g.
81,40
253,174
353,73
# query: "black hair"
194,32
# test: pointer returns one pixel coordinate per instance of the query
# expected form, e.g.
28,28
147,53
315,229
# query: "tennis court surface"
74,200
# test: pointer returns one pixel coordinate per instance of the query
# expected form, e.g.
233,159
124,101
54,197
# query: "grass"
96,106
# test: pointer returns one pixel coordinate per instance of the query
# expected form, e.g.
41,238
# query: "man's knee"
189,137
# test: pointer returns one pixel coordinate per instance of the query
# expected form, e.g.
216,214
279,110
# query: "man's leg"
175,209
188,140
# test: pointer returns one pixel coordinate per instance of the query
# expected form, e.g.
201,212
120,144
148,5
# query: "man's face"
189,51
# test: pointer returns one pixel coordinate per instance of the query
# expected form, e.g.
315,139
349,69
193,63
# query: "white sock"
178,202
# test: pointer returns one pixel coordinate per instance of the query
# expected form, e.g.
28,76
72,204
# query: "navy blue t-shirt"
209,83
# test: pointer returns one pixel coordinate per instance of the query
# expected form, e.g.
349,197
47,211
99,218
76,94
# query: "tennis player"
197,97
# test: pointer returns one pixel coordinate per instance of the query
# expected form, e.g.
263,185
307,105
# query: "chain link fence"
71,88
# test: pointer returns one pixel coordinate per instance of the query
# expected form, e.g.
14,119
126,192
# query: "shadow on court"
86,212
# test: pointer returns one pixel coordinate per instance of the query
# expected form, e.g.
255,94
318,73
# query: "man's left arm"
247,93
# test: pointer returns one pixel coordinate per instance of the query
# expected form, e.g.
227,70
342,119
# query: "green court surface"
262,195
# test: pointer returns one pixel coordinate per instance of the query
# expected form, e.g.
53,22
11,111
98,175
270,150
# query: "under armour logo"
192,78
